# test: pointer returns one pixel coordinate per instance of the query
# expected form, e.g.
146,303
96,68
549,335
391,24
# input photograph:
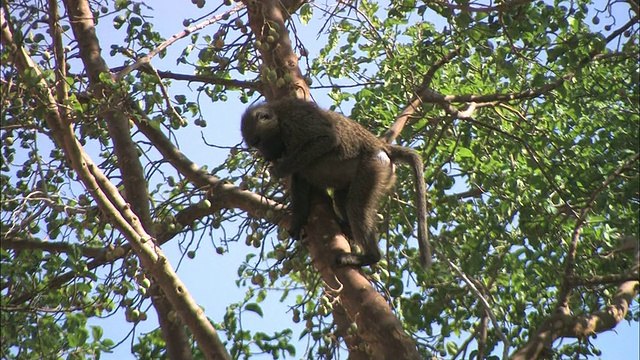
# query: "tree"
525,112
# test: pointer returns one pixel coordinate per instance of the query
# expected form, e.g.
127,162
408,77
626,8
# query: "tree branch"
381,331
565,290
604,279
16,243
563,324
184,33
483,302
277,55
112,204
431,96
135,185
395,129
207,79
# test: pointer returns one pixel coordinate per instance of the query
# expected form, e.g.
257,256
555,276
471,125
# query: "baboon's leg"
372,181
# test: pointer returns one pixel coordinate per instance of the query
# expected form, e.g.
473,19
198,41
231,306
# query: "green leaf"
464,152
254,308
96,332
181,99
306,12
452,347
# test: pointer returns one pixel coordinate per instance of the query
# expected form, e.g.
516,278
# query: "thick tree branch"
277,55
395,129
59,56
563,324
565,290
125,149
135,185
381,331
113,205
171,327
428,95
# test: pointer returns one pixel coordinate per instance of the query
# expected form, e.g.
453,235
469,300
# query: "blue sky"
209,277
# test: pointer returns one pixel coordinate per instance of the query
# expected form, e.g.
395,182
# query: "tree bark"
114,206
380,332
563,324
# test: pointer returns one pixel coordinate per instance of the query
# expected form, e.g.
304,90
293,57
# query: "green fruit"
118,21
257,280
136,21
308,80
146,283
205,204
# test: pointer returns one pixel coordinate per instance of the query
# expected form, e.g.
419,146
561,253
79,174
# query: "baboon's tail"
411,157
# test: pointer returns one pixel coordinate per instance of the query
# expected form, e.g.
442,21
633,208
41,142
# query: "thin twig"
184,33
483,302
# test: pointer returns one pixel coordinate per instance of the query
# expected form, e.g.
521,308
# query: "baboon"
325,150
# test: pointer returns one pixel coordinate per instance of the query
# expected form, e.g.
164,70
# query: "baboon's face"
261,131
